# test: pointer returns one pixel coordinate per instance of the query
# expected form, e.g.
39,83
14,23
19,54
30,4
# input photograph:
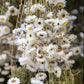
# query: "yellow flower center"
42,62
64,24
12,11
21,35
63,15
56,71
77,51
39,23
30,35
30,28
0,31
63,30
6,29
2,19
65,48
31,53
60,5
58,24
35,41
32,45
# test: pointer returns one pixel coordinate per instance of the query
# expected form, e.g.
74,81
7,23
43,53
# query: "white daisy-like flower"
4,72
75,11
30,36
52,47
30,19
6,29
3,18
30,52
21,42
41,34
39,52
81,34
59,3
37,8
71,18
23,25
40,58
2,80
1,32
50,22
29,27
41,76
63,31
72,37
36,81
65,46
32,67
57,24
12,11
57,71
24,60
50,15
14,80
39,23
68,55
62,14
64,22
76,50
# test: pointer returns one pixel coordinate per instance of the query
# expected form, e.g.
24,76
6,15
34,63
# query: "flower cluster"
4,20
44,39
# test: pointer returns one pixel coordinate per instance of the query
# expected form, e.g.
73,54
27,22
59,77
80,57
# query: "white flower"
1,31
21,41
57,71
72,37
29,27
36,81
14,80
64,22
59,3
40,58
30,52
2,80
81,34
41,76
76,50
24,60
31,66
30,19
41,34
39,23
12,11
68,55
72,17
52,47
75,11
50,15
65,46
4,72
37,8
62,14
6,29
30,36
57,24
3,18
50,22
